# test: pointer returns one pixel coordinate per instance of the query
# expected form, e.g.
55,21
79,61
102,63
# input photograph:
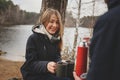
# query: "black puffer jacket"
105,45
39,51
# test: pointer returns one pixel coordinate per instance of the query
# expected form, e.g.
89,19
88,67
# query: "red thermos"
81,60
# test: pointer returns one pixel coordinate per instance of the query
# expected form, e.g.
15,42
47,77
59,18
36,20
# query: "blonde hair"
46,17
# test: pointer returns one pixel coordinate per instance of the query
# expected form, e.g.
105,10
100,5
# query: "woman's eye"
57,22
51,21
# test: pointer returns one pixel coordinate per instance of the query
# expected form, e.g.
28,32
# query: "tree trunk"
60,5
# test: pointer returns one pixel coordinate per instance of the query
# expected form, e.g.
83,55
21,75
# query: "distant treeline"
86,21
11,14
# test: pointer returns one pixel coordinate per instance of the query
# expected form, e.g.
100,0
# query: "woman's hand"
51,66
75,76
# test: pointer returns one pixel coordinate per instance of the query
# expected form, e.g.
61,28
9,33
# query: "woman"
43,48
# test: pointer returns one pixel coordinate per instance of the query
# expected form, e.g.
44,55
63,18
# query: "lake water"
13,40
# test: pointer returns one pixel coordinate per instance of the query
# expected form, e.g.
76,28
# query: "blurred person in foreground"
105,45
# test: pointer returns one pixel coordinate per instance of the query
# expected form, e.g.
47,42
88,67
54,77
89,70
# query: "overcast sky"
86,9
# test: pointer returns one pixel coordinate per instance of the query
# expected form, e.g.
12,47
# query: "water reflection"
13,40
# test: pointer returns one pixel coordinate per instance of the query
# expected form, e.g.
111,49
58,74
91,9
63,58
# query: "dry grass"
9,69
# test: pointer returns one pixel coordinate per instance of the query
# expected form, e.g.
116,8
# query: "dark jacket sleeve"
34,65
58,57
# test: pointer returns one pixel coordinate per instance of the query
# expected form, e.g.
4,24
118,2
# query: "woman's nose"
55,24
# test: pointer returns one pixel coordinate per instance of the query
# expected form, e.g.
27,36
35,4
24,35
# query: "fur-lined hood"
41,29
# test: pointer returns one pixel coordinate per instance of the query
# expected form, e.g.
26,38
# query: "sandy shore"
9,69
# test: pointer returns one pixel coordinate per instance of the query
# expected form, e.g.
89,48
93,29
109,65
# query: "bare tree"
60,5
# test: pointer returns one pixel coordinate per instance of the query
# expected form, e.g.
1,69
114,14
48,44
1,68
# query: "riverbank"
9,69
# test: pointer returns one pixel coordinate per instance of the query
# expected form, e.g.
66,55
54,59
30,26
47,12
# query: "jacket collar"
41,29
